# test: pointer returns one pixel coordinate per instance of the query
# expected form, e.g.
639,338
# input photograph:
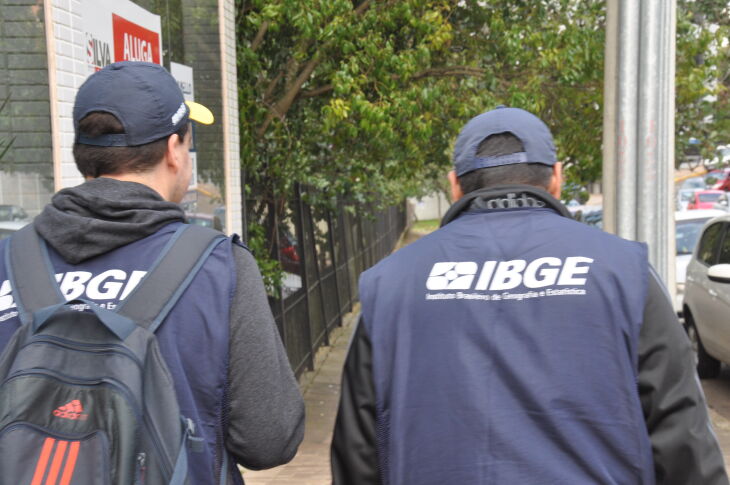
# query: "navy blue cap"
531,131
143,96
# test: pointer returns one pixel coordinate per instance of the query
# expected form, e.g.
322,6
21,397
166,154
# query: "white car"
683,197
707,297
687,227
7,228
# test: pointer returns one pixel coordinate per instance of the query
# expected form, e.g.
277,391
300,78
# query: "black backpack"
85,395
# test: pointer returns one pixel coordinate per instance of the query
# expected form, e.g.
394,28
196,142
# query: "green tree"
361,99
702,79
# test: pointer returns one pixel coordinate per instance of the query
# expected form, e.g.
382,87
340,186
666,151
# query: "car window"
708,196
725,250
687,233
708,245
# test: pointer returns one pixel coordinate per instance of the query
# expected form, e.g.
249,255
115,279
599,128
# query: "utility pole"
638,126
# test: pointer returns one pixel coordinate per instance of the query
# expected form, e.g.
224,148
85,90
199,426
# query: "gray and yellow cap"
143,96
531,131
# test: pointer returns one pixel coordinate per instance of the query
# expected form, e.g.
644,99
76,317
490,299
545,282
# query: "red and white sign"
133,42
120,30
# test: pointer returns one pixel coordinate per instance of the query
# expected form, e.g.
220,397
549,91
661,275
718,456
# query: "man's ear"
556,181
456,192
171,158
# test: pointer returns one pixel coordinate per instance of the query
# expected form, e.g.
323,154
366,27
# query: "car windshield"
708,196
694,183
687,233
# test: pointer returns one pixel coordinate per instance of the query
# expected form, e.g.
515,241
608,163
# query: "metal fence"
323,254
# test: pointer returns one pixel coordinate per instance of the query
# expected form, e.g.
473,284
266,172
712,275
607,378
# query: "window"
26,168
709,196
725,250
687,233
707,252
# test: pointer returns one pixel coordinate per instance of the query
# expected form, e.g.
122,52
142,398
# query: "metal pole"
648,114
666,180
626,129
639,126
610,80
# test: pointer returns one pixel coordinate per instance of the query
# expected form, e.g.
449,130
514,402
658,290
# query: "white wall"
68,70
430,207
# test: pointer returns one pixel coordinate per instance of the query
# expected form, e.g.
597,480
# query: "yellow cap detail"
200,113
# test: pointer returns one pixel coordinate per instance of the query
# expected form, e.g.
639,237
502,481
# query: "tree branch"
283,105
362,7
260,36
449,71
433,72
311,93
293,88
272,85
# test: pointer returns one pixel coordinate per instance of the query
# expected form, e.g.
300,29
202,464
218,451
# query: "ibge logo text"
452,278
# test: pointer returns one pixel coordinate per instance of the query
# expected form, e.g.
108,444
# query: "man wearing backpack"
230,372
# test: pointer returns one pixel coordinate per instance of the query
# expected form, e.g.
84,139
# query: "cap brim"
199,113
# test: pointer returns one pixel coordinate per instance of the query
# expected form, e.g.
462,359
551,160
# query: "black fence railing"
322,255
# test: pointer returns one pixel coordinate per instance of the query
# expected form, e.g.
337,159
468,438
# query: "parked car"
693,183
7,228
12,213
707,297
704,199
687,228
683,198
715,178
205,220
722,203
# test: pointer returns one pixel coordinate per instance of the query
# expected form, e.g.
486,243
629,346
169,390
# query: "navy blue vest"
504,351
193,338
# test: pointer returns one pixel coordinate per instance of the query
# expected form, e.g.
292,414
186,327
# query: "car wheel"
708,367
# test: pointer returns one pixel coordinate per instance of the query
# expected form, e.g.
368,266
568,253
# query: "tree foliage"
703,78
361,100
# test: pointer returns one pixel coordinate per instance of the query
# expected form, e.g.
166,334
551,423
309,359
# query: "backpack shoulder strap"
31,273
179,262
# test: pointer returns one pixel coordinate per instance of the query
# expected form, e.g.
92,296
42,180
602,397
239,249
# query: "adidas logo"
73,410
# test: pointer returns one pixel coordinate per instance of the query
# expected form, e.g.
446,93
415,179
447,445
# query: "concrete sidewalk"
321,390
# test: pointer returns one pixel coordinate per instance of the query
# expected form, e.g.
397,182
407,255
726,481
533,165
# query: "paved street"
717,392
321,391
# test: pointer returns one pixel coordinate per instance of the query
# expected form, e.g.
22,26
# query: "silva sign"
120,30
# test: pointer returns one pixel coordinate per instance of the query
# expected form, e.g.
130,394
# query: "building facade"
49,47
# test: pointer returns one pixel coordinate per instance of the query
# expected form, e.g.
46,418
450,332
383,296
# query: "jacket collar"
501,197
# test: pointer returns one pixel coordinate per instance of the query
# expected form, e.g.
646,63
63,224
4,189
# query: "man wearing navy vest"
220,343
517,346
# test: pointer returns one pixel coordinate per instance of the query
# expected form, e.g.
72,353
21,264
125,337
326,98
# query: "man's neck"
150,179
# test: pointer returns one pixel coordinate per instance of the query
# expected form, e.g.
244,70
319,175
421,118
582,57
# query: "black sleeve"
265,409
684,446
353,454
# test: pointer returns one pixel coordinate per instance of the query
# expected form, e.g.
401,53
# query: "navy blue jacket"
506,348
